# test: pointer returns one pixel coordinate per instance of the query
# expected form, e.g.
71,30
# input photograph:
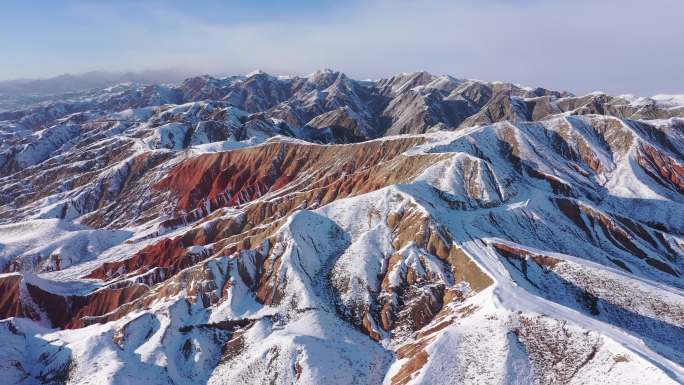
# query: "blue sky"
616,46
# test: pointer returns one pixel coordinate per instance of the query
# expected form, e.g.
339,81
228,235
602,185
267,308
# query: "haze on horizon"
617,46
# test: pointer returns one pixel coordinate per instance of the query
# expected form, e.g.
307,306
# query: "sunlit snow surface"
474,191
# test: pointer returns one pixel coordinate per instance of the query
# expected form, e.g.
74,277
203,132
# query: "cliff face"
545,248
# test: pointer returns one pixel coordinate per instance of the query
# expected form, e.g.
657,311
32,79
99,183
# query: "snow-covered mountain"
417,229
68,83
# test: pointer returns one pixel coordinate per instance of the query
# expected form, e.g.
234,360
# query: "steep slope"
538,240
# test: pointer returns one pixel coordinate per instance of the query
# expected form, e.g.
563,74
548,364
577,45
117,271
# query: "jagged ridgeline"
418,229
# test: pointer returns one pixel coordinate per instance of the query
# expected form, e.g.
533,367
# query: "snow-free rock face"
417,229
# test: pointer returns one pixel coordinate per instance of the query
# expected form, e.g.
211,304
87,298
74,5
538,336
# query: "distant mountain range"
416,229
96,79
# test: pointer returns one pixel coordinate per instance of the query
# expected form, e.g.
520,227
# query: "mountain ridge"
411,230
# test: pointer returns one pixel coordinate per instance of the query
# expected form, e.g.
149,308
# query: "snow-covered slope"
206,233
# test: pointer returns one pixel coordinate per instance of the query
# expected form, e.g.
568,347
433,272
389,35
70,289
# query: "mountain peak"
256,72
416,229
322,72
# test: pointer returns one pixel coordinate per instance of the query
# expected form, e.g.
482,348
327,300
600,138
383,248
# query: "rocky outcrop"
662,167
190,234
